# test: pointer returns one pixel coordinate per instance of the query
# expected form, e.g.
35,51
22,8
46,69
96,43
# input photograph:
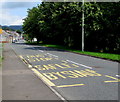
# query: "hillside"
16,27
13,27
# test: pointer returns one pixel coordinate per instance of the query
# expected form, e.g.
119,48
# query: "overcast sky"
12,12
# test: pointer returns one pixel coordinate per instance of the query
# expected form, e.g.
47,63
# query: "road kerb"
42,77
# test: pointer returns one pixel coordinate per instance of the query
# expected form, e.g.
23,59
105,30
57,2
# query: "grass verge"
1,57
109,56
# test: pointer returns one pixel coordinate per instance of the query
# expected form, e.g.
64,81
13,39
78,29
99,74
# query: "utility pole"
82,25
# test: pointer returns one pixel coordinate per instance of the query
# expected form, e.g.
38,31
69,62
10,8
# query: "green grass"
1,58
114,57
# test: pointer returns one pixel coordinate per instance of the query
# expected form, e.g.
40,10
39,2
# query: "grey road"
74,76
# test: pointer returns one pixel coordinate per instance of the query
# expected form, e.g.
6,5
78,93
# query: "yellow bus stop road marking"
23,59
26,62
47,81
114,79
43,77
70,85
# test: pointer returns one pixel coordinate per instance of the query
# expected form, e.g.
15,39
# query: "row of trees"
61,23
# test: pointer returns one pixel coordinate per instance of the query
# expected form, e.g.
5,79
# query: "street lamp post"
82,25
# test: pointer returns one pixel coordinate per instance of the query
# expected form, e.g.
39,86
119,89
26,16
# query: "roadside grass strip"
109,56
114,57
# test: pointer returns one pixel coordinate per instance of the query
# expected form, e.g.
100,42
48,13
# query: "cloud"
7,19
13,5
12,13
17,22
20,0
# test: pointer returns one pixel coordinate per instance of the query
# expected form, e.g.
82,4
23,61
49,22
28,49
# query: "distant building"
0,29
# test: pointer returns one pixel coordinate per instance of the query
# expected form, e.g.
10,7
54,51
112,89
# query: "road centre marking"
43,77
52,54
118,75
70,85
27,45
80,64
41,51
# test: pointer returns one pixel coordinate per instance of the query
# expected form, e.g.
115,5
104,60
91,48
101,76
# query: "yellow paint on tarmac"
70,85
23,59
115,79
38,58
47,77
43,77
72,74
29,65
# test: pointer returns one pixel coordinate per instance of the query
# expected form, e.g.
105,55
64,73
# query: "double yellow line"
26,62
47,81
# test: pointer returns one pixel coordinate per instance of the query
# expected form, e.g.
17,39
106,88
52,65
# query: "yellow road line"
70,85
43,77
21,56
115,79
30,66
38,73
25,61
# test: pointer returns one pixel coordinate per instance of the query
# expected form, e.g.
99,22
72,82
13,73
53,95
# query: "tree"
61,23
30,24
18,31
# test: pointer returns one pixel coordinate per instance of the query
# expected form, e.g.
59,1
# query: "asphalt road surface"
74,76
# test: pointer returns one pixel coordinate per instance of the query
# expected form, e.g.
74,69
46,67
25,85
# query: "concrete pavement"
19,83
